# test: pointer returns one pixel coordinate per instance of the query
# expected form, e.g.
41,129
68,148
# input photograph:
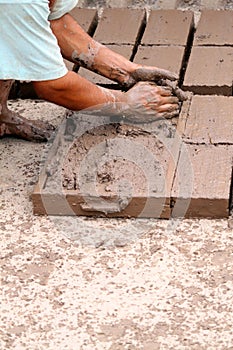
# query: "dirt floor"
96,284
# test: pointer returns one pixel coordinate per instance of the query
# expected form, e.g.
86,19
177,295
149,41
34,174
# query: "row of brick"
165,40
164,4
204,170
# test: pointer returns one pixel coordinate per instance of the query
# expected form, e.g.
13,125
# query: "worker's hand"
147,73
146,102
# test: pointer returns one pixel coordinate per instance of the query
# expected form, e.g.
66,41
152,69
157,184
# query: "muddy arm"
78,47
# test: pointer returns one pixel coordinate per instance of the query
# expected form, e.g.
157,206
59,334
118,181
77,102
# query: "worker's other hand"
147,73
146,102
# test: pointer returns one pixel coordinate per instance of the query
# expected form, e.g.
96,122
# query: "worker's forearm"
76,93
78,47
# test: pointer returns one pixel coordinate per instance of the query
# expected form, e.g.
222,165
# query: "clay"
168,27
12,123
166,57
117,170
203,180
119,26
152,74
209,71
210,120
176,90
124,50
215,29
109,163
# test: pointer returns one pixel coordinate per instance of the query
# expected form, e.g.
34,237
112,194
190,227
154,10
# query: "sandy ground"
78,283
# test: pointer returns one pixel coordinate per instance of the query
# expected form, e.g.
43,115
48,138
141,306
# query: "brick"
210,71
167,57
215,28
210,120
211,4
86,18
139,163
168,27
125,51
166,4
202,183
119,26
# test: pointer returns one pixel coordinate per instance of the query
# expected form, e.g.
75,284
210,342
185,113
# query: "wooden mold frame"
50,198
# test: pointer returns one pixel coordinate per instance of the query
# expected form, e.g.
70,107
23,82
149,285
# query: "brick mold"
128,168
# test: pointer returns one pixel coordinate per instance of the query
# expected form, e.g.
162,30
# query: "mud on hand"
158,76
146,102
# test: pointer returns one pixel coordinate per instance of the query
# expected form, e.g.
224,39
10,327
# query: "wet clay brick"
119,26
125,51
210,71
202,183
86,18
215,28
210,120
168,27
114,170
166,57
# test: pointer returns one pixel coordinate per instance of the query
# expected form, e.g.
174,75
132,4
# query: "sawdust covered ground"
106,284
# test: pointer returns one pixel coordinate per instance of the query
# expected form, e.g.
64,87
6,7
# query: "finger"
162,100
169,115
166,74
166,88
167,108
169,99
182,95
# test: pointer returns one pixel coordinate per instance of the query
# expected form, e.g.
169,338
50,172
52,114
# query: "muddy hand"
146,73
182,95
12,123
146,102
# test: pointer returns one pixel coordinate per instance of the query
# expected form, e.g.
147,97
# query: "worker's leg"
12,123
